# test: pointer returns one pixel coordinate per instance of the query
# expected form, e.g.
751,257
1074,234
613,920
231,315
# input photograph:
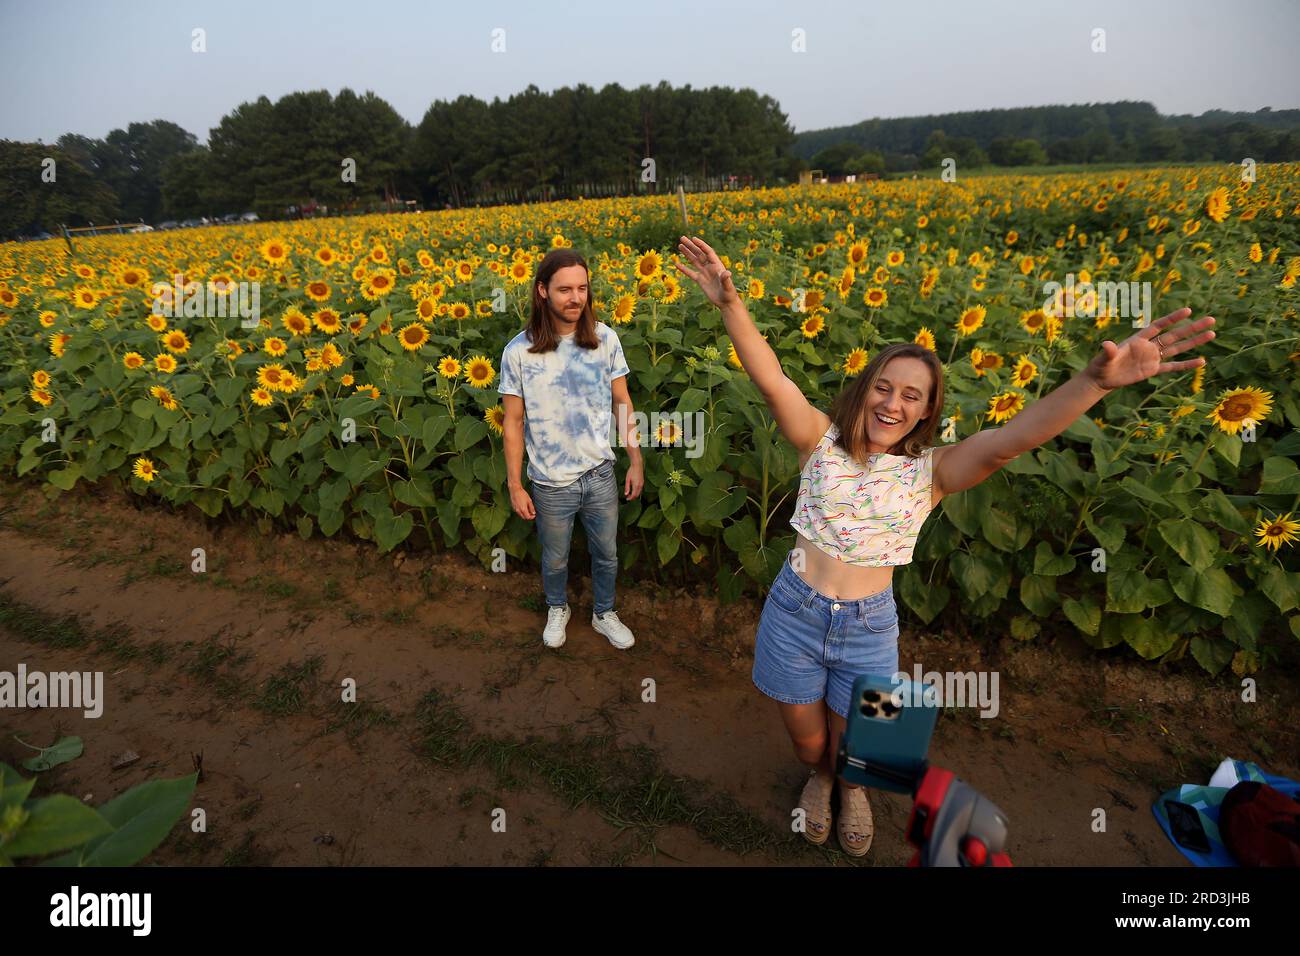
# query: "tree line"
354,152
1040,135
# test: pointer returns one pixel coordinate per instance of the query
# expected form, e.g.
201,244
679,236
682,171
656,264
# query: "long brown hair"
849,410
541,329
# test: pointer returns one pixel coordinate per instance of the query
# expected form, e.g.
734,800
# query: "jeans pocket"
784,597
883,619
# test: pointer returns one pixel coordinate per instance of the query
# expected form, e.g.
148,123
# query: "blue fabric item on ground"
1205,800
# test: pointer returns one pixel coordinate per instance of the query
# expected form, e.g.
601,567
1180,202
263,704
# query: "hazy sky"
87,66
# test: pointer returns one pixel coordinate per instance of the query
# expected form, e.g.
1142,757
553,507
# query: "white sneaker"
556,618
614,629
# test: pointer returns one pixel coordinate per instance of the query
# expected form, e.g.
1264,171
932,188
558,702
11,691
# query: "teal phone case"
887,738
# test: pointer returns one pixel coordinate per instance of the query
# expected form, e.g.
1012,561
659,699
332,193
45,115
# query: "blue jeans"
594,495
811,646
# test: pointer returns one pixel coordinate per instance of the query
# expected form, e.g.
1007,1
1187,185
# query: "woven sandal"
856,825
816,804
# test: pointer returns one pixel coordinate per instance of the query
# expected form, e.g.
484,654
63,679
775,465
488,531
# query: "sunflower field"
364,403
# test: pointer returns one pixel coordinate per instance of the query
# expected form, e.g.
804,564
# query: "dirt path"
462,712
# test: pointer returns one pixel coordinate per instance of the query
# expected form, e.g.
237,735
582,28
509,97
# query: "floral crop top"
868,514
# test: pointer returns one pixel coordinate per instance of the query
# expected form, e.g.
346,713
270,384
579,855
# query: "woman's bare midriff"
831,576
835,579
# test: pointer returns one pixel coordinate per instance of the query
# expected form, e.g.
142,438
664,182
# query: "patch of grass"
34,625
624,784
248,810
214,664
397,616
533,602
355,719
285,692
280,589
246,854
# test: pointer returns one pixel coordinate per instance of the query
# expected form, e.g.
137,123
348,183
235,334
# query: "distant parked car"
189,223
143,227
249,217
169,224
230,217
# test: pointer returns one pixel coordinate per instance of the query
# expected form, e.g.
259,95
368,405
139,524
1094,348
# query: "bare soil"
463,718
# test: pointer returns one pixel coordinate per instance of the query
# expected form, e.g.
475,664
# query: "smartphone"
1185,824
890,722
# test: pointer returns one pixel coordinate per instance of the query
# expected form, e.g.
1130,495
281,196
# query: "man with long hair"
560,378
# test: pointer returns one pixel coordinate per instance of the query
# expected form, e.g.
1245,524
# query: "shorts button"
835,607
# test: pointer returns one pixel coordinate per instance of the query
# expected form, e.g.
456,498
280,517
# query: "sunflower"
274,251
479,371
925,337
164,397
1025,371
519,272
876,297
985,362
459,310
894,259
176,341
378,284
1034,321
448,367
624,309
325,255
1005,406
811,326
295,321
132,360
413,336
271,376
262,397
649,265
756,289
858,254
1241,407
318,290
136,278
164,363
971,320
496,419
274,345
84,298
667,433
855,362
327,320
143,469
40,378
1278,531
928,282
1217,205
733,357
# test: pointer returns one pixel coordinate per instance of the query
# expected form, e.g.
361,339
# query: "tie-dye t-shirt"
568,402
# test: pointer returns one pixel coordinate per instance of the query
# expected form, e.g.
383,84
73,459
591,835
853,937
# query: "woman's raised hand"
709,272
1146,353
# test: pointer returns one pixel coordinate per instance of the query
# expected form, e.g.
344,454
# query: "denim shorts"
810,646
